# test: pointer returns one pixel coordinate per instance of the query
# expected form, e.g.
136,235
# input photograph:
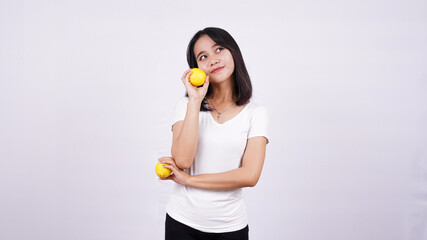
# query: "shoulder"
258,120
180,109
256,109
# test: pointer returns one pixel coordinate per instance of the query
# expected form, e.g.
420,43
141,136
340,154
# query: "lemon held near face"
197,77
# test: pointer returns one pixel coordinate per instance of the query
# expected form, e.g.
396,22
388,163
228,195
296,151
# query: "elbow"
181,162
182,165
251,177
252,181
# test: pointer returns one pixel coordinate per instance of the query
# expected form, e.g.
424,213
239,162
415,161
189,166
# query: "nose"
214,61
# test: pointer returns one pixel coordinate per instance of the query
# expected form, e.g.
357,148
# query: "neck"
222,92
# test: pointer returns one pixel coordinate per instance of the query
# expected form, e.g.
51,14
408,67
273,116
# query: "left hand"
178,176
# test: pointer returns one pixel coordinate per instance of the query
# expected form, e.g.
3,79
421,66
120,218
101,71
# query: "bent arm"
185,137
245,176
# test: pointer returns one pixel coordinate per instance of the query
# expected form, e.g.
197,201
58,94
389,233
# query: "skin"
218,64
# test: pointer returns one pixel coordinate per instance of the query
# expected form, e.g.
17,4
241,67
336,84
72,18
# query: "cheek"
202,65
204,68
230,61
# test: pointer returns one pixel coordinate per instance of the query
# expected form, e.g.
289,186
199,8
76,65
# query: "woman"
218,146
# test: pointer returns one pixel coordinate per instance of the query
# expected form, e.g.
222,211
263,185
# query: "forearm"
184,144
245,176
237,178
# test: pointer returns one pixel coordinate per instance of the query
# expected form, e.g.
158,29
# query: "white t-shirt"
220,149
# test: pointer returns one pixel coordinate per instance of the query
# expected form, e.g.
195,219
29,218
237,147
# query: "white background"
87,90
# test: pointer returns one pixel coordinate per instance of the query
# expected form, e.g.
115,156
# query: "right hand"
196,94
179,176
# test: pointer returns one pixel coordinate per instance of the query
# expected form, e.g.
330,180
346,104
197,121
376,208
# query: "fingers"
206,84
186,73
175,170
178,175
170,166
195,93
168,160
162,159
186,81
171,163
166,178
185,77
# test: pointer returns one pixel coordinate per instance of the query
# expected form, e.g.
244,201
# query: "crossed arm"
245,176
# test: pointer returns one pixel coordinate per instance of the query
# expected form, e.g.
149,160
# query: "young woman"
219,143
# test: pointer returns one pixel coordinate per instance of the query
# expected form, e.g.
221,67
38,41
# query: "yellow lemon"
197,77
162,171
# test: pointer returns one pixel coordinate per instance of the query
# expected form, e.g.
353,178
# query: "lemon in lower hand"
197,77
162,171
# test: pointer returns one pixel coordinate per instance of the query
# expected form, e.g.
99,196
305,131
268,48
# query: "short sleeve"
259,123
180,110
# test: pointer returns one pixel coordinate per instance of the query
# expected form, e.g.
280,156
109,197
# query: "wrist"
195,103
188,181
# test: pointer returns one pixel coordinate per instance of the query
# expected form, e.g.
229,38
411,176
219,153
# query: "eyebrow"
215,45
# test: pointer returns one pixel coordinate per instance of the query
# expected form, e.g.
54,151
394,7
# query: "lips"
217,69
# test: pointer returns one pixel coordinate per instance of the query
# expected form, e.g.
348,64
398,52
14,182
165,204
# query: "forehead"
204,43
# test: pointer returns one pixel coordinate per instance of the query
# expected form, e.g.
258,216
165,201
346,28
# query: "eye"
219,49
202,57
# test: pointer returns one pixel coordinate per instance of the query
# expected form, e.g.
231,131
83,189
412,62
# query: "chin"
216,80
220,79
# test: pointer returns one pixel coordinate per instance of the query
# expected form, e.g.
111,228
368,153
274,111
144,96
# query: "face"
215,60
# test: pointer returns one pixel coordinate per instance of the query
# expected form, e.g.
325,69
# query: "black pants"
175,230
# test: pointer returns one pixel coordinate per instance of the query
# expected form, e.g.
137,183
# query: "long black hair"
243,87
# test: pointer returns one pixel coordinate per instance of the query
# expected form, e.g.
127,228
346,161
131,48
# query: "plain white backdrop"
87,90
